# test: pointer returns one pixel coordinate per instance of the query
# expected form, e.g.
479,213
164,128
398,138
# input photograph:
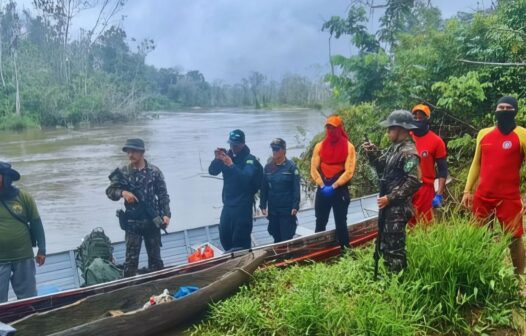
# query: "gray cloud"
226,39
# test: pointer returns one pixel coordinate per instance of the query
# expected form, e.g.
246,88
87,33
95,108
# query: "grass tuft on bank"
17,123
459,282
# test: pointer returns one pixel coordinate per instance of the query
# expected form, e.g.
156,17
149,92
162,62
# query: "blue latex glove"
327,191
437,201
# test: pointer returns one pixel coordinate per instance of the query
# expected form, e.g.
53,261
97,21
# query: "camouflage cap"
400,118
133,144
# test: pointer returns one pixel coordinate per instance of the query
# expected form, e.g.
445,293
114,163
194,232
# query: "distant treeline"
51,75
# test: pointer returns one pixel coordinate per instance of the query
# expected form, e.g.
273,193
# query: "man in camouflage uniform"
398,170
147,204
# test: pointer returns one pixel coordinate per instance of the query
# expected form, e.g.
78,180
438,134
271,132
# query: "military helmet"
400,118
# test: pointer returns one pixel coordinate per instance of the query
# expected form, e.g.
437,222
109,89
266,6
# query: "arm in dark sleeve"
411,182
35,223
242,175
37,232
216,167
377,160
296,192
162,195
114,191
441,168
263,195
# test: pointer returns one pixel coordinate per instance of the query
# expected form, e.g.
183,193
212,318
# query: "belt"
139,220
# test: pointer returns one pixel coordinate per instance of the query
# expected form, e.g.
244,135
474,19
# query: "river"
66,170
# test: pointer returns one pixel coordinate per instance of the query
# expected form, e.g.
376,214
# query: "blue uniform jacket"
280,188
237,186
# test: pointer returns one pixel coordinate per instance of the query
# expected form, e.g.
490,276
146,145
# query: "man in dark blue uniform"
242,175
281,192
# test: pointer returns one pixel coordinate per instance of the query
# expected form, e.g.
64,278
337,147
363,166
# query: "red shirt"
501,158
430,147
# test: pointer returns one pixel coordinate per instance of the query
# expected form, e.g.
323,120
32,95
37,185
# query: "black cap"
509,100
236,137
134,144
278,143
5,169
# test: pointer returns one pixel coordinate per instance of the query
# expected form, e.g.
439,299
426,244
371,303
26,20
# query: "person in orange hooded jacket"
332,167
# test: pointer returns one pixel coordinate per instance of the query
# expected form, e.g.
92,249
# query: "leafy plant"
458,282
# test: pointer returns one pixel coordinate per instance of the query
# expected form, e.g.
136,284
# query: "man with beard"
432,151
20,230
332,167
242,176
147,203
496,167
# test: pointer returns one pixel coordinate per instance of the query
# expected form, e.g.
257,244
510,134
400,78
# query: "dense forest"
51,74
459,66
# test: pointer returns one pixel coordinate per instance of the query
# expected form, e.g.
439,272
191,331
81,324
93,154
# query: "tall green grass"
458,282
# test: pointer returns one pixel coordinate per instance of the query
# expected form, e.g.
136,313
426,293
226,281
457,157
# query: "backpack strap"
14,215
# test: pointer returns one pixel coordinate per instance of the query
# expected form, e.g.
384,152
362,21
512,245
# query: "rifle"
381,225
127,185
381,221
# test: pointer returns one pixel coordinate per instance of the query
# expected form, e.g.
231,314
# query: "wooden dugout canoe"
60,269
92,315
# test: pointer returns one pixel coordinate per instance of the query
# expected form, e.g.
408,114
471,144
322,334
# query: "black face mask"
505,121
423,127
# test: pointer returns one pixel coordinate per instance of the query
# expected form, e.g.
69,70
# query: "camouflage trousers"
152,242
392,243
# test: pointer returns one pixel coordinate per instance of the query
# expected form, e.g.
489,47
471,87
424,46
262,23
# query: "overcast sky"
226,39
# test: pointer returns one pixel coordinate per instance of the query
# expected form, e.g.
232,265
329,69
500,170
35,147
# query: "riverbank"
459,282
17,123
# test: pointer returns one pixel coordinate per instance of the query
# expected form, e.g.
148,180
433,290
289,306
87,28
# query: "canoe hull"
90,316
310,247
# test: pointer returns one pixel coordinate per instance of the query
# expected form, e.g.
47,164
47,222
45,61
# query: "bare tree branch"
446,112
104,19
492,63
523,34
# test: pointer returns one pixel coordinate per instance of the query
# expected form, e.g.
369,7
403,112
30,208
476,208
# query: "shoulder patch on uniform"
250,162
17,208
296,172
410,164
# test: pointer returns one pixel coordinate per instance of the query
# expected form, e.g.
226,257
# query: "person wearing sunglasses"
280,193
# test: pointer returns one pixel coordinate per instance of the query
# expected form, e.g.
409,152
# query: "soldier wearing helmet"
399,173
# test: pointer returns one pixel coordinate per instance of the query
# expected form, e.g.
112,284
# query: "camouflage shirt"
147,185
398,166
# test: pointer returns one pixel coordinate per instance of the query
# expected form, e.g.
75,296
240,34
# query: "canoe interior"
60,270
94,311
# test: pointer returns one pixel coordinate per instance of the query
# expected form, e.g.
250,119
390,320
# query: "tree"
256,81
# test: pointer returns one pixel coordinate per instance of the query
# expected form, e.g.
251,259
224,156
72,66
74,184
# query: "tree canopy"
50,76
